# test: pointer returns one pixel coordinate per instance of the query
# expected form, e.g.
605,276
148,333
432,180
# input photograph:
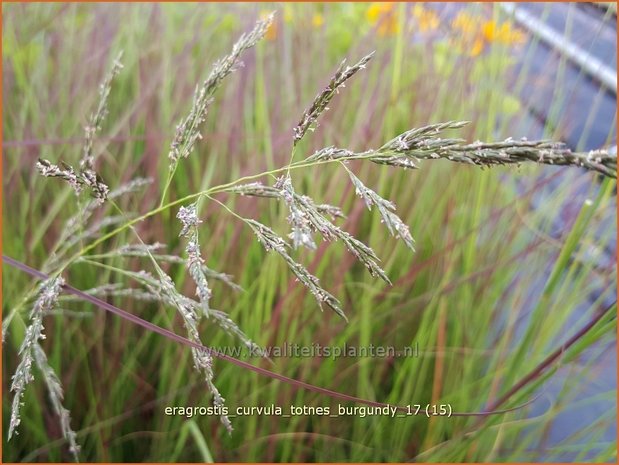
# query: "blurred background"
510,262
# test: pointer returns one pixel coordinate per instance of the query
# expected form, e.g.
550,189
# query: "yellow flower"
503,34
317,20
508,36
271,33
465,23
489,31
427,20
475,34
385,16
376,10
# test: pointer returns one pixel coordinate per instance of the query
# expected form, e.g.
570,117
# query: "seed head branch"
96,119
56,397
319,105
195,263
86,176
409,148
272,242
45,302
188,131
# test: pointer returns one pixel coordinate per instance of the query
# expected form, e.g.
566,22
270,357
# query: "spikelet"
85,176
31,352
272,242
301,234
319,105
96,119
203,360
195,263
386,209
188,131
56,396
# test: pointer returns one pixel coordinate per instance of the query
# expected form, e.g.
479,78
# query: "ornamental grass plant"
229,236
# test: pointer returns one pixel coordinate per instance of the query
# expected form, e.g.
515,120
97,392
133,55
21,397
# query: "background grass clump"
492,290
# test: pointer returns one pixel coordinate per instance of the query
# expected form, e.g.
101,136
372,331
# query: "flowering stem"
168,182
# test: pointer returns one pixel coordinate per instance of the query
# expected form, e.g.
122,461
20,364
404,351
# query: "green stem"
168,183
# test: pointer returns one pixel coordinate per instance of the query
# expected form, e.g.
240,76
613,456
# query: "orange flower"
475,35
477,47
271,33
503,34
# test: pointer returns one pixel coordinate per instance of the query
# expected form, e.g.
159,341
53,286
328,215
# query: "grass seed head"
319,105
46,300
188,130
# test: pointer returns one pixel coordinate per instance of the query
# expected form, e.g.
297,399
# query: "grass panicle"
188,131
409,148
190,308
195,263
272,242
321,101
96,119
31,352
424,143
56,397
78,180
86,176
203,361
386,209
317,221
301,234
